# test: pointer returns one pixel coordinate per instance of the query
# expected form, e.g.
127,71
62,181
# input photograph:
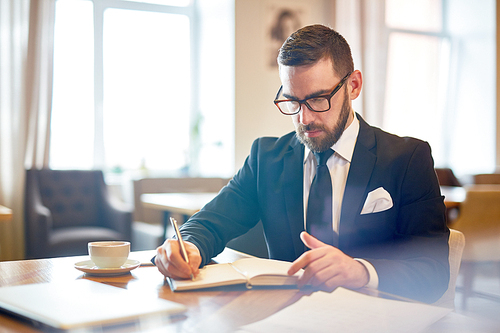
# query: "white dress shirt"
338,165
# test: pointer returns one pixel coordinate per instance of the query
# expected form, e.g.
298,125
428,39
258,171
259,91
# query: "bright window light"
414,102
166,2
146,89
72,124
421,15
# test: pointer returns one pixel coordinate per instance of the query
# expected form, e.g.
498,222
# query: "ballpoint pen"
181,242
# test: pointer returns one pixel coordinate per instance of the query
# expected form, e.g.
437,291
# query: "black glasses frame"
304,101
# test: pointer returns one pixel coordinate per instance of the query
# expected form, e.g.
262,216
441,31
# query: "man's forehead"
305,80
324,66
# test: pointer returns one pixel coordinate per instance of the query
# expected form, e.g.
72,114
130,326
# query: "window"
441,79
147,89
73,88
127,89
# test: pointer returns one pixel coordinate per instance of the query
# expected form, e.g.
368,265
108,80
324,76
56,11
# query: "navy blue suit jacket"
407,244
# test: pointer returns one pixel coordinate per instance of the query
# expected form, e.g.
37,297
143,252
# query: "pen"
181,242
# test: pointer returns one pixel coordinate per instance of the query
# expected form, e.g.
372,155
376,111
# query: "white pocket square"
377,201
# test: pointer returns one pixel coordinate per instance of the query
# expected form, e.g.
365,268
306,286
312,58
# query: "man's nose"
306,116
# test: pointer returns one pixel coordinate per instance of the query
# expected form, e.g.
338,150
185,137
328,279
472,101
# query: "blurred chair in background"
446,177
479,221
456,243
487,178
66,209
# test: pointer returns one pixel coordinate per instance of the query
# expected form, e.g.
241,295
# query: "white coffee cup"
109,254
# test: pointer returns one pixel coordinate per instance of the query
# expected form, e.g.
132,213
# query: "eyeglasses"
319,103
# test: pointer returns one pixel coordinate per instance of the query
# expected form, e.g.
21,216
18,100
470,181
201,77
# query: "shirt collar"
344,147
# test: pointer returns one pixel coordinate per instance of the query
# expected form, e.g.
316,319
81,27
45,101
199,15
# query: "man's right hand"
171,263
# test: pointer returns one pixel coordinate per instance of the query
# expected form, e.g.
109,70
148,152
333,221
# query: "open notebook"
82,303
250,271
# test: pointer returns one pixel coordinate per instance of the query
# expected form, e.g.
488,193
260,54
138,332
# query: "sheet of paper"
348,311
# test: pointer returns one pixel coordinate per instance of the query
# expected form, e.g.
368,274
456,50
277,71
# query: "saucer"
89,267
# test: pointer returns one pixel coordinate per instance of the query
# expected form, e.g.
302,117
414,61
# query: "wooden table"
179,203
5,214
185,204
208,311
453,196
217,310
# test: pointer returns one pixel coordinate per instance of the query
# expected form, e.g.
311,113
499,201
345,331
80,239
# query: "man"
385,214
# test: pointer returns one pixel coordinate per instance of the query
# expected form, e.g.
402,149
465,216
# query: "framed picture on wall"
283,18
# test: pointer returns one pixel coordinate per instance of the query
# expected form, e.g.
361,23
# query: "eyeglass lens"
318,104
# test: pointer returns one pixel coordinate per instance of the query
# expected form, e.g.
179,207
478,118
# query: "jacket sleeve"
234,211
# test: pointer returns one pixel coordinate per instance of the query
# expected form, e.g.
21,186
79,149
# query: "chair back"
73,197
456,244
479,221
446,177
487,178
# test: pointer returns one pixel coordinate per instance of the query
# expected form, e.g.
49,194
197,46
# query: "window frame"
444,37
100,6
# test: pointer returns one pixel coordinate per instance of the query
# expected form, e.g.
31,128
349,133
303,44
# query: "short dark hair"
312,43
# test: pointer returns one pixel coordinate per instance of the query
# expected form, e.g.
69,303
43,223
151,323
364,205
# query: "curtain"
362,23
39,82
26,44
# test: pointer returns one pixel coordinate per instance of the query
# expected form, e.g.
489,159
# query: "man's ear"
355,83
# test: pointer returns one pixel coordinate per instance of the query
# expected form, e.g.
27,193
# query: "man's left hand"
326,267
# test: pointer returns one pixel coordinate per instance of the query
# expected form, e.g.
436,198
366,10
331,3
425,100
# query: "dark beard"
318,145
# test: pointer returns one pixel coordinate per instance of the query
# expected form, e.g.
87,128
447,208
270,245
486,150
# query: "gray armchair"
66,209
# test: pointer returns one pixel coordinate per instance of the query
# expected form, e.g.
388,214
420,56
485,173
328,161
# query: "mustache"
309,127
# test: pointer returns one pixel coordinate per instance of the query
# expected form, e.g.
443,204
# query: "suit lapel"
293,188
360,171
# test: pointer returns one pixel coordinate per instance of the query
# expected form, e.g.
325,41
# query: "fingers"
326,267
304,261
317,267
321,273
171,263
311,241
309,256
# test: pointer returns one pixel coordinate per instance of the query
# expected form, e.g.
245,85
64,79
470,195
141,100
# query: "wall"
256,81
256,84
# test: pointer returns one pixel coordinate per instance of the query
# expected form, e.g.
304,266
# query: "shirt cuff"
372,274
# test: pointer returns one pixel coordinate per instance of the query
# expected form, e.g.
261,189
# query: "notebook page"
257,266
211,276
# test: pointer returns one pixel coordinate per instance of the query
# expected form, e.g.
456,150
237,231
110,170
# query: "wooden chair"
66,209
487,178
479,221
456,244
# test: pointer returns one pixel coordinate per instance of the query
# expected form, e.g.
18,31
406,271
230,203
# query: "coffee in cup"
109,254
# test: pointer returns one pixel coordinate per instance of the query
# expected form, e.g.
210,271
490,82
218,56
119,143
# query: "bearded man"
351,204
